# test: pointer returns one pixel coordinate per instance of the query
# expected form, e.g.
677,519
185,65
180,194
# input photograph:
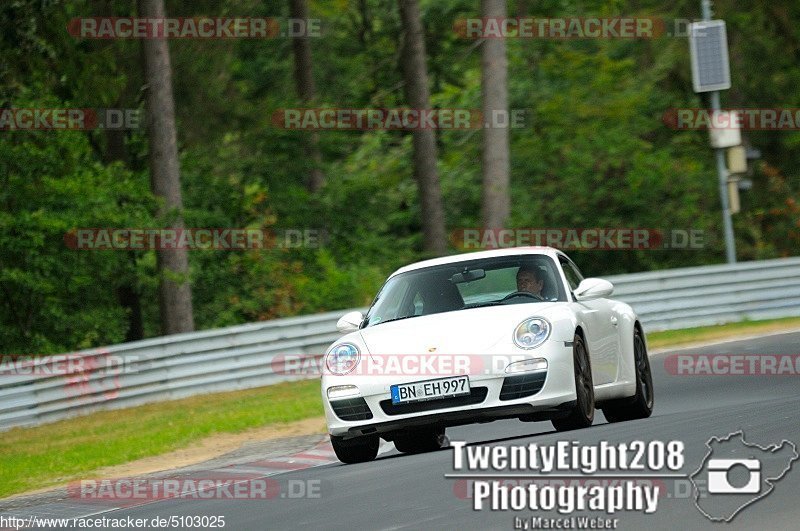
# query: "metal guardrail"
709,295
259,354
164,368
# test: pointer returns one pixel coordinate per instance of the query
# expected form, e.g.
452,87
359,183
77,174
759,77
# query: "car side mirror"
350,322
593,288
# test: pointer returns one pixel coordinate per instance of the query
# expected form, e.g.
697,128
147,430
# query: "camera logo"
735,474
718,482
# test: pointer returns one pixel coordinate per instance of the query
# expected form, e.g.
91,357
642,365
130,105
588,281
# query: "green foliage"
52,297
593,152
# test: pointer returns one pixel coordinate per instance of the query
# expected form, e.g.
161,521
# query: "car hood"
461,332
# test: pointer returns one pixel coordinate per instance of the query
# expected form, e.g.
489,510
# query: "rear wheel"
420,441
641,406
359,450
582,415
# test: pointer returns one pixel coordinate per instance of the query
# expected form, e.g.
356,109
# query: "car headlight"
342,359
532,332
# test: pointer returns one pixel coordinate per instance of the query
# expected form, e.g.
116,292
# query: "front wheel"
359,450
641,406
582,415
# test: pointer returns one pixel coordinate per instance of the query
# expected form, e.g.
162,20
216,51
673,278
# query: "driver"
530,279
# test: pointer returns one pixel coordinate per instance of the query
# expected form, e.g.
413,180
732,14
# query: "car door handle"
614,321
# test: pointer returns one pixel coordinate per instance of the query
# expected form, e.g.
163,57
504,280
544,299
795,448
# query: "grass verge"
62,451
54,453
674,338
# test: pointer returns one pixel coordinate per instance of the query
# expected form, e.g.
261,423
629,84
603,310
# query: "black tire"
582,415
420,441
641,405
359,450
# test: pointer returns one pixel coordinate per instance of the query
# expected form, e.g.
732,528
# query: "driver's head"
530,279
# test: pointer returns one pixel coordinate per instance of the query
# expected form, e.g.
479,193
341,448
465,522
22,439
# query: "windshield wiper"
396,319
484,304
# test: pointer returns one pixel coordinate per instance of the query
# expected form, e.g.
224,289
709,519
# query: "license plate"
430,390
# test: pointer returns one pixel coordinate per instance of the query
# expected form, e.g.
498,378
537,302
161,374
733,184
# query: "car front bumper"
533,395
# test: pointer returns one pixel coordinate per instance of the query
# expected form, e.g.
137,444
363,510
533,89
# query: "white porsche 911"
512,333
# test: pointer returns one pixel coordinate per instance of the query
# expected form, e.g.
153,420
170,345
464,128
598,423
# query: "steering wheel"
522,294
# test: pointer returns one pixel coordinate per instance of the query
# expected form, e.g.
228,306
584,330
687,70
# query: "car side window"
418,303
574,276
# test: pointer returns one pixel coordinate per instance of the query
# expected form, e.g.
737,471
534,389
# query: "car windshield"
522,279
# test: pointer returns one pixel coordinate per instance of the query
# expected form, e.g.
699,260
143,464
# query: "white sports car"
512,333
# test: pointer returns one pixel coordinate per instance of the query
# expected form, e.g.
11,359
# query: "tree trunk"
175,292
426,173
306,91
495,160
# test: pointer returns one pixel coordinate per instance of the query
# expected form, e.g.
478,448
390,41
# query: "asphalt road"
411,492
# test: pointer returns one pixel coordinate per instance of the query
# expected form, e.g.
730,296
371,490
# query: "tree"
415,74
496,203
175,292
306,91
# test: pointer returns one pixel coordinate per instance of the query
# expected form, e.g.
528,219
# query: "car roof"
464,257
